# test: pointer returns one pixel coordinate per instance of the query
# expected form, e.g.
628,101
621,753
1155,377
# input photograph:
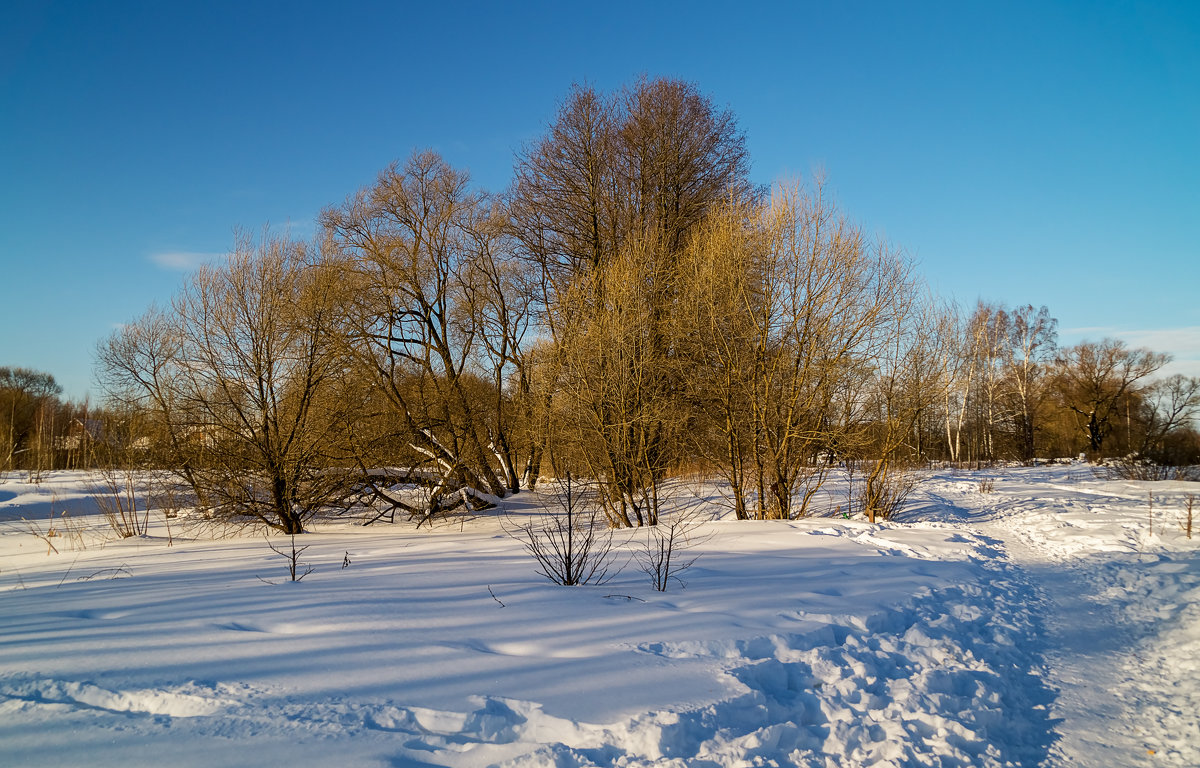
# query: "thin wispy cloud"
183,261
299,229
1184,340
1182,344
1088,331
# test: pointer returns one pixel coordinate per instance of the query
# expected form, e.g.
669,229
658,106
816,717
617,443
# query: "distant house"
203,435
81,434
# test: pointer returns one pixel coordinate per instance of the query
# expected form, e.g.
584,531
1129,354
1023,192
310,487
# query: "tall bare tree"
1028,357
417,251
1169,405
784,306
608,196
961,363
620,384
139,367
499,294
907,380
654,157
242,374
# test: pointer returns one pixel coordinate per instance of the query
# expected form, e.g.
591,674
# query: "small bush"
572,543
665,551
116,498
292,557
883,493
1134,467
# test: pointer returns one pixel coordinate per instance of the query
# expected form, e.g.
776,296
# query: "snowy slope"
952,639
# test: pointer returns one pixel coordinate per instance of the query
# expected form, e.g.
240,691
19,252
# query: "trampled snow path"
1124,658
1035,625
1121,612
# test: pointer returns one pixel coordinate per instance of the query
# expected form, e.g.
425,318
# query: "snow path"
1127,683
1121,612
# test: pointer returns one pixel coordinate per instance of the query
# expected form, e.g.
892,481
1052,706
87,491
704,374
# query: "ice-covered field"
1040,623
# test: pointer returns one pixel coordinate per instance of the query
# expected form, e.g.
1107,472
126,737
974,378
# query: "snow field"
944,642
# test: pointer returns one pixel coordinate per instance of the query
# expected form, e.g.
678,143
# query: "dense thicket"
632,307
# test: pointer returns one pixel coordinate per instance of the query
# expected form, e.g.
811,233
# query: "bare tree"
989,331
1094,380
624,406
499,293
604,205
1029,356
242,375
417,253
960,362
906,382
1169,405
719,341
140,367
654,157
787,307
997,363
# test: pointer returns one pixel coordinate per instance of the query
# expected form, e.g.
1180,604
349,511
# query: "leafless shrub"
572,544
987,486
60,529
666,549
1189,502
1136,467
882,494
292,556
72,530
116,498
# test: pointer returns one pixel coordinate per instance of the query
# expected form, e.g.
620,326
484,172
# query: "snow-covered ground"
1039,623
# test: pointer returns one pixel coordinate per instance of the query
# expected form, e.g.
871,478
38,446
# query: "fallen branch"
117,573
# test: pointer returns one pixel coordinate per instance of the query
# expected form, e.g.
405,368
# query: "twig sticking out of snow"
493,594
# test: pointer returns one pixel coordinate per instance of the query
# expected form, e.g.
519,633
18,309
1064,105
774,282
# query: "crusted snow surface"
1038,624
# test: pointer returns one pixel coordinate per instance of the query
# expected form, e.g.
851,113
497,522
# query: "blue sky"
1022,152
